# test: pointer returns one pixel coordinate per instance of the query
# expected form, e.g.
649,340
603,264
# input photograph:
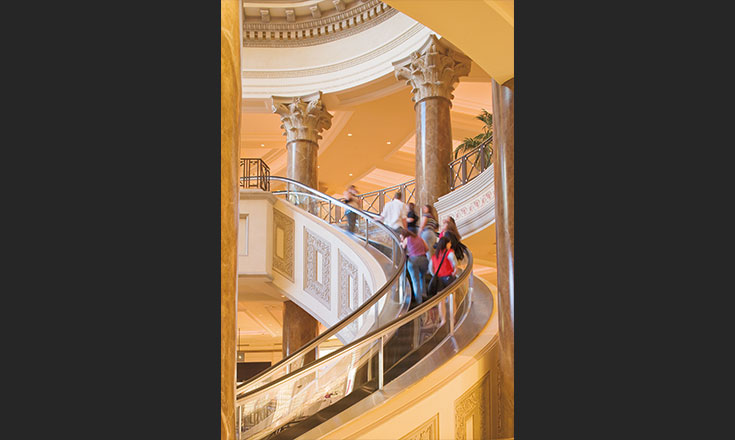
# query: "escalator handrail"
373,336
347,320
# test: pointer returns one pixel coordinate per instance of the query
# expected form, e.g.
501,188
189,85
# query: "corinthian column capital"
302,117
433,70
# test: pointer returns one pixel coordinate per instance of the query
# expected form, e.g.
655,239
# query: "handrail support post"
451,313
381,367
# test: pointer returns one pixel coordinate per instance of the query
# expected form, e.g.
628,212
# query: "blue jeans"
429,237
418,266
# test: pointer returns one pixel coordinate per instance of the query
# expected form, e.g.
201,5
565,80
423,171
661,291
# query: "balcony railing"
375,201
465,168
255,174
461,171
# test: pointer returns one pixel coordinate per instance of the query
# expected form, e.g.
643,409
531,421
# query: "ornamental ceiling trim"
413,30
319,31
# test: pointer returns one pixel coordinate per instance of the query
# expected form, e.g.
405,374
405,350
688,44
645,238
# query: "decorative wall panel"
314,244
473,404
429,430
348,286
366,292
283,258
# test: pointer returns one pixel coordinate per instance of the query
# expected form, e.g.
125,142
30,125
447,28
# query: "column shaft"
302,162
503,121
433,149
230,100
432,72
299,327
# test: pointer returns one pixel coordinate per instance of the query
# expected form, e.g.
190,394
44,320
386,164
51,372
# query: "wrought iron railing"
375,201
465,168
255,173
461,170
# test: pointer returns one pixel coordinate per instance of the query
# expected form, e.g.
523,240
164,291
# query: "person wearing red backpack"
443,263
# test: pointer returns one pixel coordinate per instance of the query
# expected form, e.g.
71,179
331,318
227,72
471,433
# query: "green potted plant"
471,143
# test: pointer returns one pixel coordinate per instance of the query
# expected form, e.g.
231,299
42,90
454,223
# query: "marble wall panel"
348,285
283,264
320,290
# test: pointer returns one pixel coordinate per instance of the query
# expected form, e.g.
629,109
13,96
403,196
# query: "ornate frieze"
364,58
472,205
473,404
319,289
283,235
429,430
347,285
302,117
315,29
433,70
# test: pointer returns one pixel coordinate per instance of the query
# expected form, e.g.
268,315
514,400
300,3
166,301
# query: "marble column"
230,100
299,327
432,72
303,118
503,126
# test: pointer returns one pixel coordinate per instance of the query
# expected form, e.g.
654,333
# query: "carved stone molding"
433,70
347,289
315,29
297,73
319,290
475,404
302,117
283,265
472,205
265,15
429,430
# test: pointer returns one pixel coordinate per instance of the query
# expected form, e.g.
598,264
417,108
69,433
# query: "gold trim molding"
429,430
473,404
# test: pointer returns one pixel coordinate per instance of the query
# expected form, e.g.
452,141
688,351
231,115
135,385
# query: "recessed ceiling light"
262,145
350,174
318,166
349,134
388,142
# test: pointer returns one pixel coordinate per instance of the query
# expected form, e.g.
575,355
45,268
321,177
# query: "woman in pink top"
418,264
